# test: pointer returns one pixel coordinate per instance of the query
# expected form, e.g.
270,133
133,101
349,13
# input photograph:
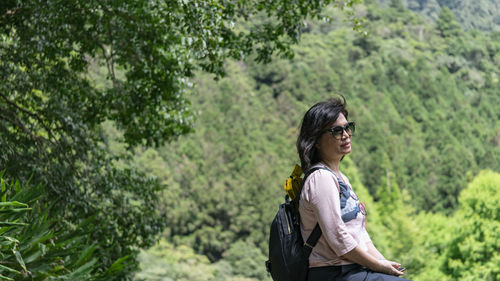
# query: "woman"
344,251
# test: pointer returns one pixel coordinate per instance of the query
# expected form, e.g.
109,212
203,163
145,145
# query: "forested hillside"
425,98
146,140
69,210
472,14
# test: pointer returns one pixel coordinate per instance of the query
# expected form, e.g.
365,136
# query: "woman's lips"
348,144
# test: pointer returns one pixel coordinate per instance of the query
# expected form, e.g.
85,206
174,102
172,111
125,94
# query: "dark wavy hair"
316,120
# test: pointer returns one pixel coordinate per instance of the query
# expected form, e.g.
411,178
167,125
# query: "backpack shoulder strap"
312,170
312,240
322,167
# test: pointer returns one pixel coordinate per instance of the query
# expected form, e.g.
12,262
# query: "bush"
33,248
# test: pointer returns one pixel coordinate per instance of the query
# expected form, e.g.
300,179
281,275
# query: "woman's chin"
346,149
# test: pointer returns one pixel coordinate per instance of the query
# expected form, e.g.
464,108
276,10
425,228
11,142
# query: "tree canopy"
426,110
96,101
68,66
472,14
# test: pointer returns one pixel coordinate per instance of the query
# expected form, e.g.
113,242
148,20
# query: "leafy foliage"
447,25
89,87
426,106
472,14
166,262
474,248
35,248
53,105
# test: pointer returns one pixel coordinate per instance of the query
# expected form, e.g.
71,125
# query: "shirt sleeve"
324,199
365,236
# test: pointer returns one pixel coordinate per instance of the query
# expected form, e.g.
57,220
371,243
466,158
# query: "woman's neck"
333,165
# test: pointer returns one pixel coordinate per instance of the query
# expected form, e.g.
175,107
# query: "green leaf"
3,224
83,272
117,266
20,260
13,204
85,254
3,267
5,277
14,210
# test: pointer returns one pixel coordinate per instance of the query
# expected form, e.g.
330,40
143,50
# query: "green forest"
151,140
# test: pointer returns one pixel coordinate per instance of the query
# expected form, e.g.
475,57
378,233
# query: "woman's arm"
357,255
324,197
373,251
325,201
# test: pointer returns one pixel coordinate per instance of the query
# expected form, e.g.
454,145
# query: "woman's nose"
345,134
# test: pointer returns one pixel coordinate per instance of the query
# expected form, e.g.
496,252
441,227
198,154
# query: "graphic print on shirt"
349,203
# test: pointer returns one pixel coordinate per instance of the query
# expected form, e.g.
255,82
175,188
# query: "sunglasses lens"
337,132
351,127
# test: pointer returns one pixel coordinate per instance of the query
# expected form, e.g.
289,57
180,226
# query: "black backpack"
288,254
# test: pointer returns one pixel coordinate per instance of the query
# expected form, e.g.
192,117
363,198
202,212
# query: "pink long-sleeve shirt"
320,202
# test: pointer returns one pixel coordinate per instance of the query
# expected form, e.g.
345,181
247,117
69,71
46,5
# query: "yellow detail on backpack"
293,184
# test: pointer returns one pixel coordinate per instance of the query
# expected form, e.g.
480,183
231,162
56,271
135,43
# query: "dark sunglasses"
338,131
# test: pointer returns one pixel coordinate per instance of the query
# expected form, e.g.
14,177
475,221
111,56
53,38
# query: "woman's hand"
379,265
388,267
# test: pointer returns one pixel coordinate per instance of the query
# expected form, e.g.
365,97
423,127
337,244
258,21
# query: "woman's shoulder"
319,179
319,172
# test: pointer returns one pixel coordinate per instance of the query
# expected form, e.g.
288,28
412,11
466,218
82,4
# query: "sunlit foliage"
426,106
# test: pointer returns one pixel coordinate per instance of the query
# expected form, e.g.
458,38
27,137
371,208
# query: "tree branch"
109,64
20,124
109,59
52,139
32,114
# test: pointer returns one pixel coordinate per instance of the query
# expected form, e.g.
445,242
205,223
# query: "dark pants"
352,272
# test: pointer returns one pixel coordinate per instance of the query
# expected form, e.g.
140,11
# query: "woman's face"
332,149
